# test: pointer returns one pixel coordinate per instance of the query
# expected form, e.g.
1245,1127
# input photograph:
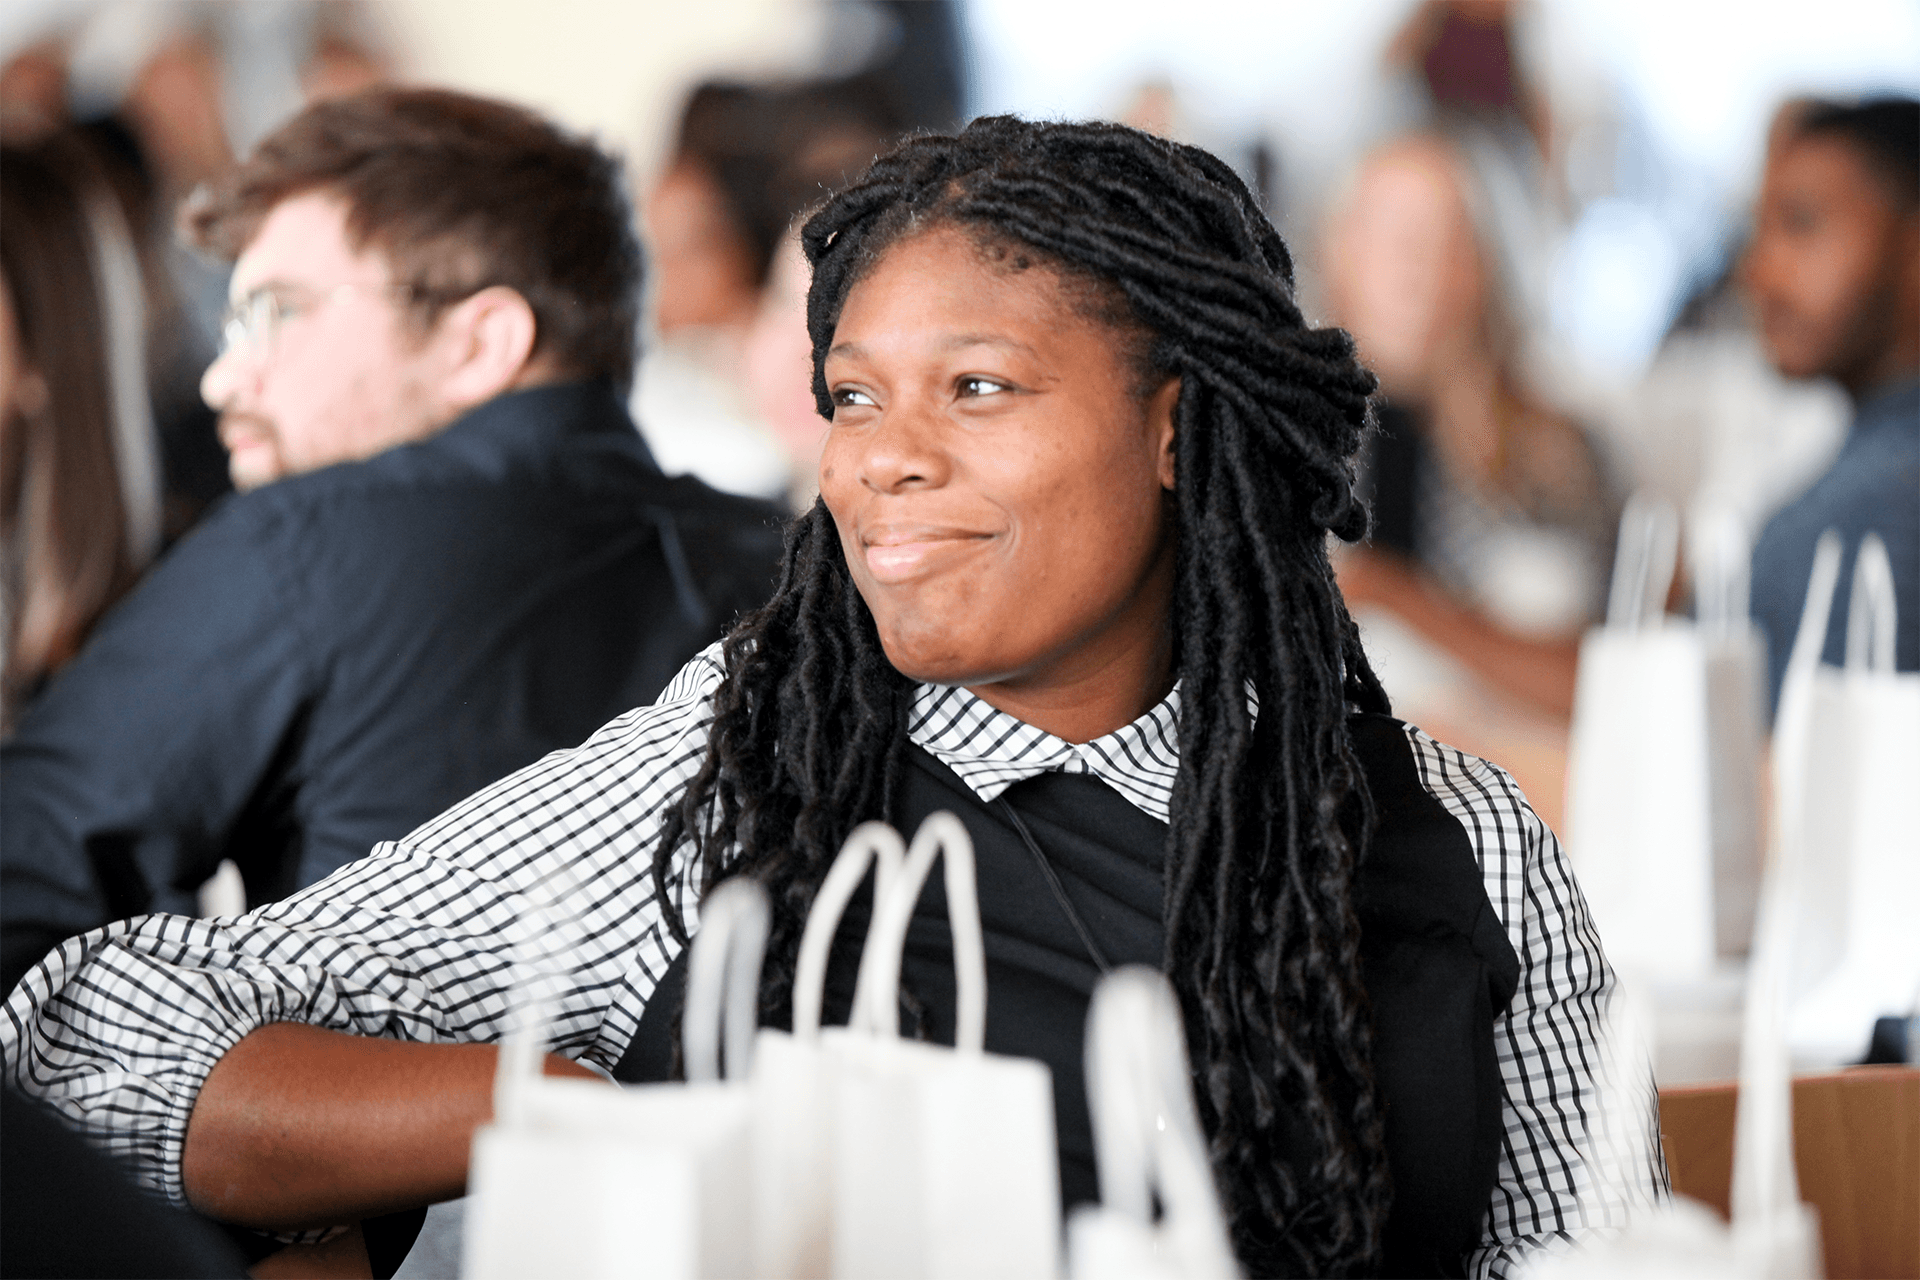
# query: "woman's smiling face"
998,482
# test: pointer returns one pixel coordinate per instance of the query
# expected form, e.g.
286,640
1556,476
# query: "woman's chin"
934,659
929,671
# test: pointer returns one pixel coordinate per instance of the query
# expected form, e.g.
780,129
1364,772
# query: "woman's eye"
849,396
977,386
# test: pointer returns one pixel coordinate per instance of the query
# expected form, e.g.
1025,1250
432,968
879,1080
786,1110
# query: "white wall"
617,68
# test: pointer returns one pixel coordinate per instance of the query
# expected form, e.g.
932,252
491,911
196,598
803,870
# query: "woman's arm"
1540,672
300,1127
419,951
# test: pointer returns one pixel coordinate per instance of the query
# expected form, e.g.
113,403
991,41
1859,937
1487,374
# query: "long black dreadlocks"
1270,812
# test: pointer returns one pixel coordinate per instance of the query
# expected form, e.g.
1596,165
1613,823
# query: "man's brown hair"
458,193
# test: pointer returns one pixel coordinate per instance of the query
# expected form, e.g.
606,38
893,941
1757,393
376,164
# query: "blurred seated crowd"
466,516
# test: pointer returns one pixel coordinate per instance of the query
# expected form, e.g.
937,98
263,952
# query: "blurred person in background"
1492,505
1493,510
79,479
451,552
779,381
1834,274
73,1211
723,390
154,89
193,465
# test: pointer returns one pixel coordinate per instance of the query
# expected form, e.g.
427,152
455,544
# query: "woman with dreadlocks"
1068,578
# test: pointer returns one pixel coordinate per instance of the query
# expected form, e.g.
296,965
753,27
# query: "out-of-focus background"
1567,182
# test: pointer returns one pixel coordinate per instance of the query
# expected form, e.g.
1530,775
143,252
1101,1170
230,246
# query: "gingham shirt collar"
990,750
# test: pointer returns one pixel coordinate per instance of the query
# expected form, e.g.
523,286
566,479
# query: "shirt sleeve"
1554,1185
435,938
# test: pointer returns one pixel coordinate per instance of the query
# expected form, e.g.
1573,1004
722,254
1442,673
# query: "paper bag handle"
1811,636
1147,1134
1763,1184
723,980
876,999
1792,723
1643,563
1872,609
871,844
534,989
1722,559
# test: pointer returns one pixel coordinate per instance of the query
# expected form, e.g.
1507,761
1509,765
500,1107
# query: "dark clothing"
1554,516
71,1211
331,660
1873,486
1397,469
1437,963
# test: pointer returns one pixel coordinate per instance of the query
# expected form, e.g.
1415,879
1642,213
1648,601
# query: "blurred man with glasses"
451,552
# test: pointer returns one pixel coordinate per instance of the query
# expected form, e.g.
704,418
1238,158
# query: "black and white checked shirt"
420,941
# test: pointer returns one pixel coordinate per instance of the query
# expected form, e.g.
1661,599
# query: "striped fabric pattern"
1549,1190
990,750
543,882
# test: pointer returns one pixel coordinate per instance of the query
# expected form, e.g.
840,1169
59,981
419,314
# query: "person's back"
452,554
1835,275
337,657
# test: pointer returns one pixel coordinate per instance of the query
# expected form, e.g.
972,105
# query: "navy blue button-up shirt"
330,660
1873,486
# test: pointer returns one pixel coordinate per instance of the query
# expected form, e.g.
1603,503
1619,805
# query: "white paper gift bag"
945,1162
1847,757
1148,1143
795,1077
1662,781
1773,1234
578,1179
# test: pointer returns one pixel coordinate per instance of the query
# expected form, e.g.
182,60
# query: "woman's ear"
490,337
1160,415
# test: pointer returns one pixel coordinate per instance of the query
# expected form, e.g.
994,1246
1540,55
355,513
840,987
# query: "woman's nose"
904,450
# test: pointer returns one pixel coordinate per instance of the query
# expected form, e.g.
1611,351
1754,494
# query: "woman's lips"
895,556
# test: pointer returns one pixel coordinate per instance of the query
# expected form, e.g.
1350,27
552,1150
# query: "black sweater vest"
1437,966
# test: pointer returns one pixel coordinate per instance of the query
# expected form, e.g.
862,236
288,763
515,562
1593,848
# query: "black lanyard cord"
1059,890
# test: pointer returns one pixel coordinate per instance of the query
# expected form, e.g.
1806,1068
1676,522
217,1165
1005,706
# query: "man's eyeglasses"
254,321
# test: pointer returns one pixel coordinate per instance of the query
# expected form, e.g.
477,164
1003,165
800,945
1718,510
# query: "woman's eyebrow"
955,342
961,340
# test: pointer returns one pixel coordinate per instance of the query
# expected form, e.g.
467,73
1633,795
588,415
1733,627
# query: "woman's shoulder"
684,706
1449,775
1408,769
1465,784
698,679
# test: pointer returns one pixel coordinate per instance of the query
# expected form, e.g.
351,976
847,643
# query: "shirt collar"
529,423
990,750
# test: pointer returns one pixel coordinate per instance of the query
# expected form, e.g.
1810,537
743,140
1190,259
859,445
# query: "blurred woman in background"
721,390
1494,511
79,478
